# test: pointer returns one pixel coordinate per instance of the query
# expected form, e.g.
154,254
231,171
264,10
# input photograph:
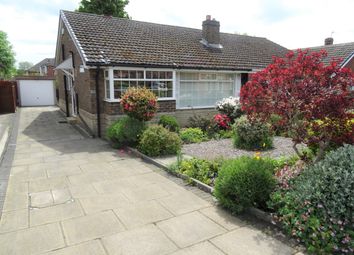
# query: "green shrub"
278,128
157,141
318,208
200,169
245,182
192,135
223,134
169,122
252,135
125,132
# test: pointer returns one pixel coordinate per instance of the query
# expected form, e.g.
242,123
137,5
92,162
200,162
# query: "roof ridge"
328,46
160,24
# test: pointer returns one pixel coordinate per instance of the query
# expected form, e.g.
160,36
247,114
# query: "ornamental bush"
125,132
222,121
139,103
169,122
207,125
300,89
192,135
158,141
245,182
318,209
230,106
252,134
201,169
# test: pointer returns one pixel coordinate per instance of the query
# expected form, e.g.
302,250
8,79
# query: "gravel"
224,149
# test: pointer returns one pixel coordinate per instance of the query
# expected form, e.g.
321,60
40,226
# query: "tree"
113,8
7,57
313,100
23,67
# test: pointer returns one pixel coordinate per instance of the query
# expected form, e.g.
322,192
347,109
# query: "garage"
36,91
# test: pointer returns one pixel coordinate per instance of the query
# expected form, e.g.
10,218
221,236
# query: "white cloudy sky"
32,25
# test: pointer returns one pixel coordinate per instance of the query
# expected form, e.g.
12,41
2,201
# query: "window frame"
236,85
111,79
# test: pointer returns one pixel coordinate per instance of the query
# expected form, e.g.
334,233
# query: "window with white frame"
204,89
117,81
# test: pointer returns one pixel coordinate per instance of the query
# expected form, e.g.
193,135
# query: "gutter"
112,64
98,102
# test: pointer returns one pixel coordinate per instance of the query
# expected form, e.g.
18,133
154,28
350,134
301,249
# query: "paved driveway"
71,195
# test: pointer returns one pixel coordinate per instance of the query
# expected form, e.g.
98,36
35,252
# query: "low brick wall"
183,115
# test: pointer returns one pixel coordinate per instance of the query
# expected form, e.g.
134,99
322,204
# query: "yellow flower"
257,155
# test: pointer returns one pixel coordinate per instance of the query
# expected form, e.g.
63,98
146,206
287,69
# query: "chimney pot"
328,41
208,17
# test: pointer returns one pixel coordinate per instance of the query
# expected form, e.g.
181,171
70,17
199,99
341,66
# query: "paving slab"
15,201
88,248
248,241
32,240
190,229
90,227
148,240
223,217
103,202
183,202
143,213
83,191
48,184
55,213
146,193
114,186
204,248
14,220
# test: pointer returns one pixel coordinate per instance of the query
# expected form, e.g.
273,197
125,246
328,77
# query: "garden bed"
224,148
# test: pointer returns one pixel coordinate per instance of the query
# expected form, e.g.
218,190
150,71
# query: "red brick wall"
82,80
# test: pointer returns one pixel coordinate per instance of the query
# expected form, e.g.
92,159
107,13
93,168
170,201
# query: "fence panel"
8,96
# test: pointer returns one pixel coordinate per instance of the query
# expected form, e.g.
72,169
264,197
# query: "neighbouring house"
43,68
343,52
99,57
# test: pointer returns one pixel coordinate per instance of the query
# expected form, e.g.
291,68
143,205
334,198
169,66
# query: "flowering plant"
230,106
139,103
288,173
222,121
299,88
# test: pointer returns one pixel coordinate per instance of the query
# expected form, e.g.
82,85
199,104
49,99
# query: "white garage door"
36,92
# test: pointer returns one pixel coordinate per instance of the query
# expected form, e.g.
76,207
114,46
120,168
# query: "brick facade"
85,87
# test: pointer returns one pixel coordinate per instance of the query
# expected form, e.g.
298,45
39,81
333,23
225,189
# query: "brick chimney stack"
211,32
328,41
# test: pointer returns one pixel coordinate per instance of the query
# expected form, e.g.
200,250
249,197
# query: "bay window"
117,81
204,89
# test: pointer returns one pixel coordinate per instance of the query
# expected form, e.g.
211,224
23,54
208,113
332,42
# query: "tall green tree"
23,67
113,8
7,57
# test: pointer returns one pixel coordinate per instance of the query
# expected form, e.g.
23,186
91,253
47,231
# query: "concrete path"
71,195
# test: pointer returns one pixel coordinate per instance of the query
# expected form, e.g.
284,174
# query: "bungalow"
99,57
43,68
343,52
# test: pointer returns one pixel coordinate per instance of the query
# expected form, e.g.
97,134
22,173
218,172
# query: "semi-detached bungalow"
99,57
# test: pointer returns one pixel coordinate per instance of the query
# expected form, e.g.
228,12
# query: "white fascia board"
74,38
346,61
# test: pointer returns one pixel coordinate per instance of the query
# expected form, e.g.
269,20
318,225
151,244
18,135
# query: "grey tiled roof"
46,61
336,51
128,42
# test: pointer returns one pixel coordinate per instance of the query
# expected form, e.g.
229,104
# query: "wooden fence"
8,96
